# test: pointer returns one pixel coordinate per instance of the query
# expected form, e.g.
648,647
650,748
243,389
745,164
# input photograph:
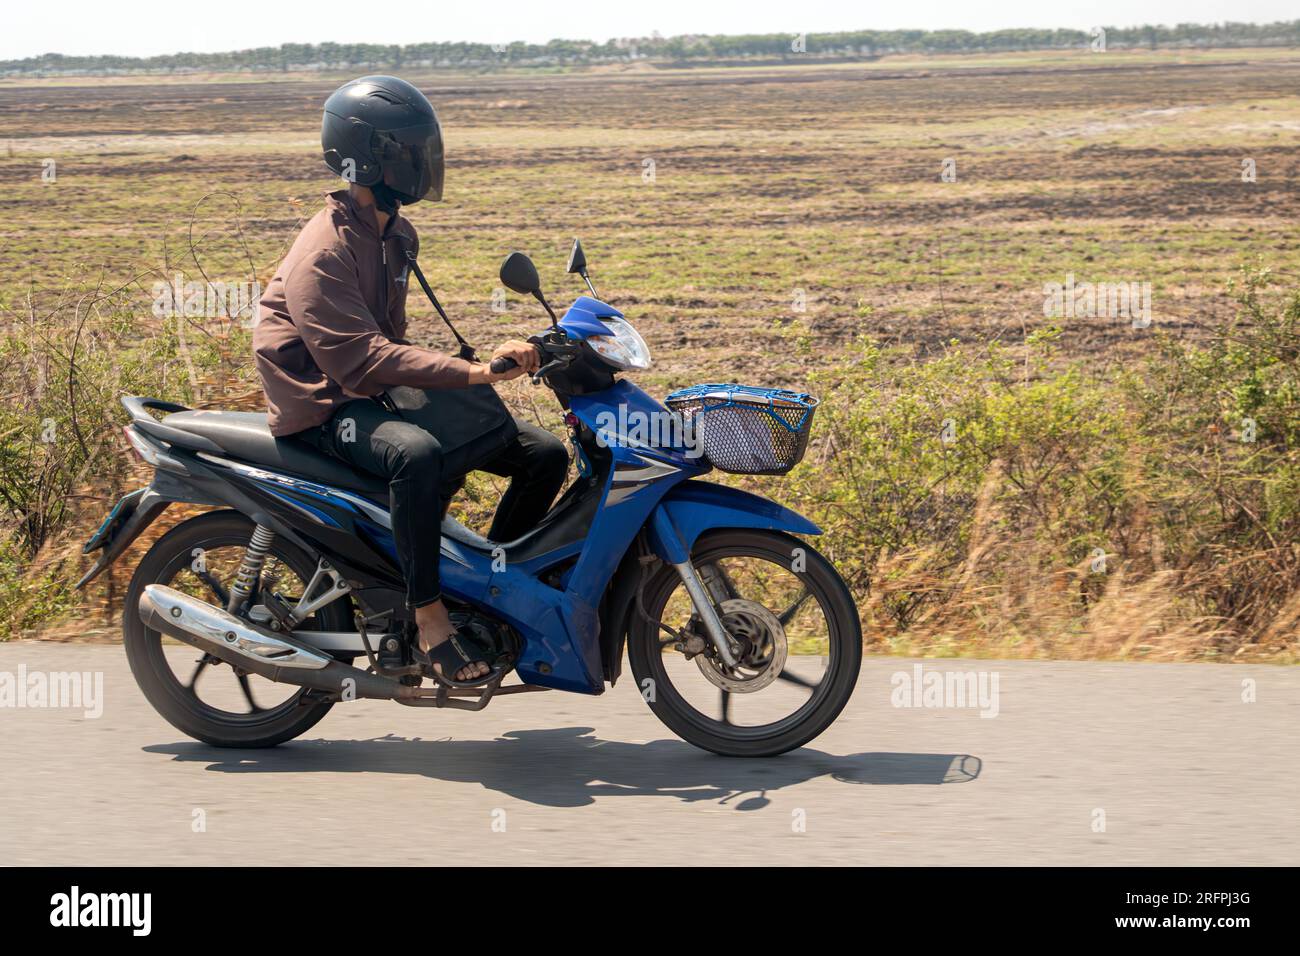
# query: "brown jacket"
332,321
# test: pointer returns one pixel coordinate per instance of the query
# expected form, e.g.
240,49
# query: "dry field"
711,202
765,181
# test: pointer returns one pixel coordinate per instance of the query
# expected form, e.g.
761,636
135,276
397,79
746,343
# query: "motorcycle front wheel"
800,645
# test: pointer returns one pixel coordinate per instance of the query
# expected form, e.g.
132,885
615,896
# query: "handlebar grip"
500,365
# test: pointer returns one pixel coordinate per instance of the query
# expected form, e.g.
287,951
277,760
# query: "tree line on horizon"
685,49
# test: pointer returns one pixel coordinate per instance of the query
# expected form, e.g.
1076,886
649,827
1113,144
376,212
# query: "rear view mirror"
577,259
578,264
518,274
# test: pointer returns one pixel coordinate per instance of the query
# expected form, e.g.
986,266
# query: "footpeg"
444,693
448,695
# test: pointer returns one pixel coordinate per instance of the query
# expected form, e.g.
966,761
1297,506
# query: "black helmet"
382,132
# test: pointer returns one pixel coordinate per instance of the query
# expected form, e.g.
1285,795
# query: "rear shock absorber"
250,568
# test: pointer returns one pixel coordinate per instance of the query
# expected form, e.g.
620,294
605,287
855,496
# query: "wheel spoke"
203,663
786,616
798,681
248,694
216,587
726,706
718,582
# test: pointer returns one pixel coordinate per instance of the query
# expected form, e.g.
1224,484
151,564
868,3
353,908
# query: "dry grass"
1012,598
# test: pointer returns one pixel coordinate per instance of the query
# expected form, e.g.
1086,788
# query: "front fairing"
583,318
629,422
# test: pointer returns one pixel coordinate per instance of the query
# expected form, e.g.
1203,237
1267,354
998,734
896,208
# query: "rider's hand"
524,354
481,374
526,360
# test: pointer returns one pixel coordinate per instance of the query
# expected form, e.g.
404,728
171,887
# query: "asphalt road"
1169,758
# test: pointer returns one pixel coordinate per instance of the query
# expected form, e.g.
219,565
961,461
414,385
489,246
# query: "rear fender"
130,516
125,522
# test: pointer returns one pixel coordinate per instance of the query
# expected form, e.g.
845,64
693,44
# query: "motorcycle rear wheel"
172,561
800,580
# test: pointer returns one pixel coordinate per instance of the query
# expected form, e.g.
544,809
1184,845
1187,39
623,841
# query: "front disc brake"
763,648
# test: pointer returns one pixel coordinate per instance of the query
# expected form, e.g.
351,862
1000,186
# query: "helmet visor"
413,163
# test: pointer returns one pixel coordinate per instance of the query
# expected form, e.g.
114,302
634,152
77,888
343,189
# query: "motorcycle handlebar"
556,353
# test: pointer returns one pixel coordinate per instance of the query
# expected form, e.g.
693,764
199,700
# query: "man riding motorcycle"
330,340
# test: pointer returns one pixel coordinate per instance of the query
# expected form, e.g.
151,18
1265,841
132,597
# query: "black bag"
471,424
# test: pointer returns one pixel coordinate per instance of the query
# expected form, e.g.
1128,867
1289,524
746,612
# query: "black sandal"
452,657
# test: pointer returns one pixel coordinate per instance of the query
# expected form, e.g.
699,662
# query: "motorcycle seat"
246,437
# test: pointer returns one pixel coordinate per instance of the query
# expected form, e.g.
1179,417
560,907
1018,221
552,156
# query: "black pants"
374,440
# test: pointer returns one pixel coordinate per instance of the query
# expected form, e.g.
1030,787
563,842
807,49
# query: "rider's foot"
436,630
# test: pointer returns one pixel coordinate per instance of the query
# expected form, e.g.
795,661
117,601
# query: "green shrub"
909,445
1220,455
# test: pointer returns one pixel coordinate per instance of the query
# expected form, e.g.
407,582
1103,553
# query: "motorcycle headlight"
624,348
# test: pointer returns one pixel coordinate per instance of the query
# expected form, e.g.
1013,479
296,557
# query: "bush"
1221,459
62,455
1021,505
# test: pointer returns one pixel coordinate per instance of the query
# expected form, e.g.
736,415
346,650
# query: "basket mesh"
747,430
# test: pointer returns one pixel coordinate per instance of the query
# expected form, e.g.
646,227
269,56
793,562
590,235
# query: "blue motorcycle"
741,637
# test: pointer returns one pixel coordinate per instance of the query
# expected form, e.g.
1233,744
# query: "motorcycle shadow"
571,767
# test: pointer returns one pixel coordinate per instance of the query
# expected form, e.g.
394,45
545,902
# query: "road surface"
1084,763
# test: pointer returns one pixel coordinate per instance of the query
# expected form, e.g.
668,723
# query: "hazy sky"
146,27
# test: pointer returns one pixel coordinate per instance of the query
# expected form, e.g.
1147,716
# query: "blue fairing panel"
582,320
694,507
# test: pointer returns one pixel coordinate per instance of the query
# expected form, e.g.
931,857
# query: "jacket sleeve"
323,298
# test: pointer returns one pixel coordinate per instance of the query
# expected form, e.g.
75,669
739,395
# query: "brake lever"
550,367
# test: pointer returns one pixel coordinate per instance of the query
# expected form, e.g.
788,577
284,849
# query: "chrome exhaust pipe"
242,644
212,628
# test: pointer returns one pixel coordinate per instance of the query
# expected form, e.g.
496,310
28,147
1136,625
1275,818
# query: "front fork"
705,591
703,602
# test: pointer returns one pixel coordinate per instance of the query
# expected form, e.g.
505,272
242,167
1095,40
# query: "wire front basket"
746,430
